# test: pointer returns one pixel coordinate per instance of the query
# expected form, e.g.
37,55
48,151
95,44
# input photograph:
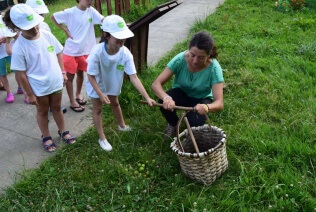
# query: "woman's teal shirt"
199,84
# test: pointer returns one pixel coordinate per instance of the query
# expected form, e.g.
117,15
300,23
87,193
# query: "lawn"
269,63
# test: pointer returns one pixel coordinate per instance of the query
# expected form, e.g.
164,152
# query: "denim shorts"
3,65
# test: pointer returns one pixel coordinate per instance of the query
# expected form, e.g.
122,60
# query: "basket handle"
183,116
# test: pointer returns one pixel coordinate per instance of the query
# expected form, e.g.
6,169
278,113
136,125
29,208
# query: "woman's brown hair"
204,41
7,20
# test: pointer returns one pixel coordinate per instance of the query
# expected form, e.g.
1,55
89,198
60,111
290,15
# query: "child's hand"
105,99
68,34
150,102
32,100
65,78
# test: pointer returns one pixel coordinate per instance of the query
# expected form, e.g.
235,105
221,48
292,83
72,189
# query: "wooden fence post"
98,6
109,6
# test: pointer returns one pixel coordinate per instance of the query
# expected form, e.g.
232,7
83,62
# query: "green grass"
269,117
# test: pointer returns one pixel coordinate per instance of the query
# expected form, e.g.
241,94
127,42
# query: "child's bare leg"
116,109
79,81
70,90
17,81
5,83
55,106
97,117
42,115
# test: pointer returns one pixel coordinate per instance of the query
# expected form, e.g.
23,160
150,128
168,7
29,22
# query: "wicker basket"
202,153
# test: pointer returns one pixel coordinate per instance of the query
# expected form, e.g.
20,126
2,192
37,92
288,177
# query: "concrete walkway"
20,138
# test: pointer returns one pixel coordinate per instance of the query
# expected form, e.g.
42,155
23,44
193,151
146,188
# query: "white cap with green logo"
116,26
38,5
24,17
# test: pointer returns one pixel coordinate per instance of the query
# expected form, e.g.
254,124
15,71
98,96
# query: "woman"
198,83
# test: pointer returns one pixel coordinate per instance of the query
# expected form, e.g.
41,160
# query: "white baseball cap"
116,26
24,17
38,5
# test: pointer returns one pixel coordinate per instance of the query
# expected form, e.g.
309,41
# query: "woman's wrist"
166,97
206,107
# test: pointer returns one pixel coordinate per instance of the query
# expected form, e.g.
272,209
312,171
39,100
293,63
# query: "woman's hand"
168,103
201,109
104,99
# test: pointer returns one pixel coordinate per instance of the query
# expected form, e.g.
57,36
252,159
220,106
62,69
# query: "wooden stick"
178,130
175,107
191,135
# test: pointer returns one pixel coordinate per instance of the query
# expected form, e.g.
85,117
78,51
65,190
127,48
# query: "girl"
5,58
40,8
106,66
8,47
36,55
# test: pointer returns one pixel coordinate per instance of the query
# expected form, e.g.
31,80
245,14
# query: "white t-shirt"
81,26
45,26
108,70
38,58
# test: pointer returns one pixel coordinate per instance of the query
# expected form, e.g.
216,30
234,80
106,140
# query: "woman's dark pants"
181,99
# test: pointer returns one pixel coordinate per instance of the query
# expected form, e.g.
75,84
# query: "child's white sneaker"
105,145
127,128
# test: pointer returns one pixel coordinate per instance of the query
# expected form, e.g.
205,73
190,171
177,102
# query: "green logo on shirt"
30,17
1,25
50,49
90,20
120,67
39,2
120,24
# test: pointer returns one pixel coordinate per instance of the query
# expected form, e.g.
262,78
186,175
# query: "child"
106,66
8,48
40,8
79,28
37,57
4,59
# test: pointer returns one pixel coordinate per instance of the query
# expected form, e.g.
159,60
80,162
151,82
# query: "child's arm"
8,47
26,87
62,27
61,64
103,98
139,86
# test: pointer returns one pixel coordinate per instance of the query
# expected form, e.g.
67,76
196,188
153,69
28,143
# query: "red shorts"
74,63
